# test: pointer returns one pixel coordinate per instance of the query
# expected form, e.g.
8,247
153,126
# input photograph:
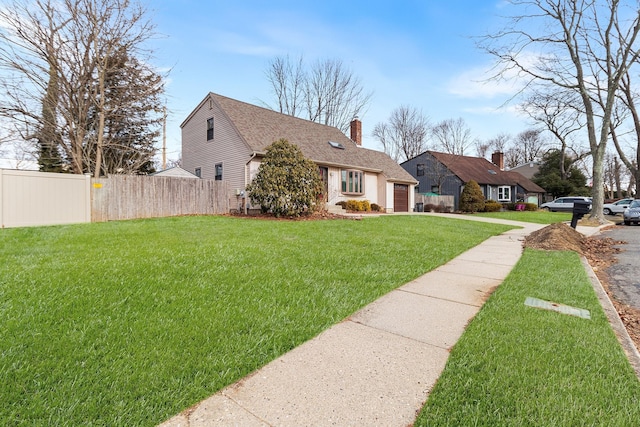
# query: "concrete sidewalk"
377,367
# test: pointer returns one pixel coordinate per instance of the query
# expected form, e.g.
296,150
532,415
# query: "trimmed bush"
375,207
472,199
530,207
358,205
492,206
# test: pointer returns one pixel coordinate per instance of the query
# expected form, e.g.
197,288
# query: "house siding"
382,194
450,173
226,147
450,185
371,187
388,195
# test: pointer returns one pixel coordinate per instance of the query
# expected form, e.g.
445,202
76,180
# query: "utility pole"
164,138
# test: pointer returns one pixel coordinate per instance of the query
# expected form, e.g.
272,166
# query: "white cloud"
240,44
481,81
477,83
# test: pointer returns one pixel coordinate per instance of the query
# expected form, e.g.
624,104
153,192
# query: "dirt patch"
600,252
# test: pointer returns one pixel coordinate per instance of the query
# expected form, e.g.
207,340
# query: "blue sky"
417,53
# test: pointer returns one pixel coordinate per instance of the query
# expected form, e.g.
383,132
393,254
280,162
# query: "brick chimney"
356,131
497,159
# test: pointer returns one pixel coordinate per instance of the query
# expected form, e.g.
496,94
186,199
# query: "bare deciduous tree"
327,92
482,148
287,81
452,135
60,58
557,113
628,98
438,174
581,46
405,134
499,143
529,145
612,176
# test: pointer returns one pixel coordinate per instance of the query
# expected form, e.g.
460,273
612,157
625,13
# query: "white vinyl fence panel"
29,198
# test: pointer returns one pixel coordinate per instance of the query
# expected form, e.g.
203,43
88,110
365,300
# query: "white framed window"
352,181
504,193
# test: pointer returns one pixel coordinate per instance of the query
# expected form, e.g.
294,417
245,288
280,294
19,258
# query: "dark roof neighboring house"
260,127
483,171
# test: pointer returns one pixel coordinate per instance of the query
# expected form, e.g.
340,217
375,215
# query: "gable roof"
176,172
527,169
259,127
483,171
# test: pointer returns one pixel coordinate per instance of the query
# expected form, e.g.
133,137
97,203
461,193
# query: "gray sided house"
527,169
225,139
175,172
446,174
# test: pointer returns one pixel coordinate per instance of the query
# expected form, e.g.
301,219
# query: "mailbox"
580,208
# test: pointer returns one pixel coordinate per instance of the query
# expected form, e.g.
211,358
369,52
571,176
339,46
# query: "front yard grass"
521,366
538,217
128,323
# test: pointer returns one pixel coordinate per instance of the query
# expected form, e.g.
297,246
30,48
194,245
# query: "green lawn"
128,323
538,217
521,366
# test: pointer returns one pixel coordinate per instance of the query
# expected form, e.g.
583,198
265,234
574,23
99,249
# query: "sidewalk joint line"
448,349
439,298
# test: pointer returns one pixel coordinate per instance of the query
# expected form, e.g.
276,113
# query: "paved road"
625,274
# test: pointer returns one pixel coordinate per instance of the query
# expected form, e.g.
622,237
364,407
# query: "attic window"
336,145
492,172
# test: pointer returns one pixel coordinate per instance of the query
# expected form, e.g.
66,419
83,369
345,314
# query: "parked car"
616,208
632,213
564,204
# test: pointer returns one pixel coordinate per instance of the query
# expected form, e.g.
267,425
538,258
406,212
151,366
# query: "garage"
400,198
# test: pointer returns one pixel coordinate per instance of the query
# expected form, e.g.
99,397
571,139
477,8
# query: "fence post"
87,197
1,200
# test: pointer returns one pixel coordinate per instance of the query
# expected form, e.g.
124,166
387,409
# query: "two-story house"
225,139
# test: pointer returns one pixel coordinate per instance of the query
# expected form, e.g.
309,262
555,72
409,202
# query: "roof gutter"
256,154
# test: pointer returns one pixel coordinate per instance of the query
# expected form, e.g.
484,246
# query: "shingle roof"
483,171
259,127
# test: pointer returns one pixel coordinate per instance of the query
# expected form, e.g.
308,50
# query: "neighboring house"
527,169
446,174
175,172
226,139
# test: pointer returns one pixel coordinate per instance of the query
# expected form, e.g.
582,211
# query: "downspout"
246,173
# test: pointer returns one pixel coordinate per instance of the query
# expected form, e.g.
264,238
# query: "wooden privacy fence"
439,203
129,197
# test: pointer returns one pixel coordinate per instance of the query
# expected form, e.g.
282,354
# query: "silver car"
564,204
616,207
632,213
